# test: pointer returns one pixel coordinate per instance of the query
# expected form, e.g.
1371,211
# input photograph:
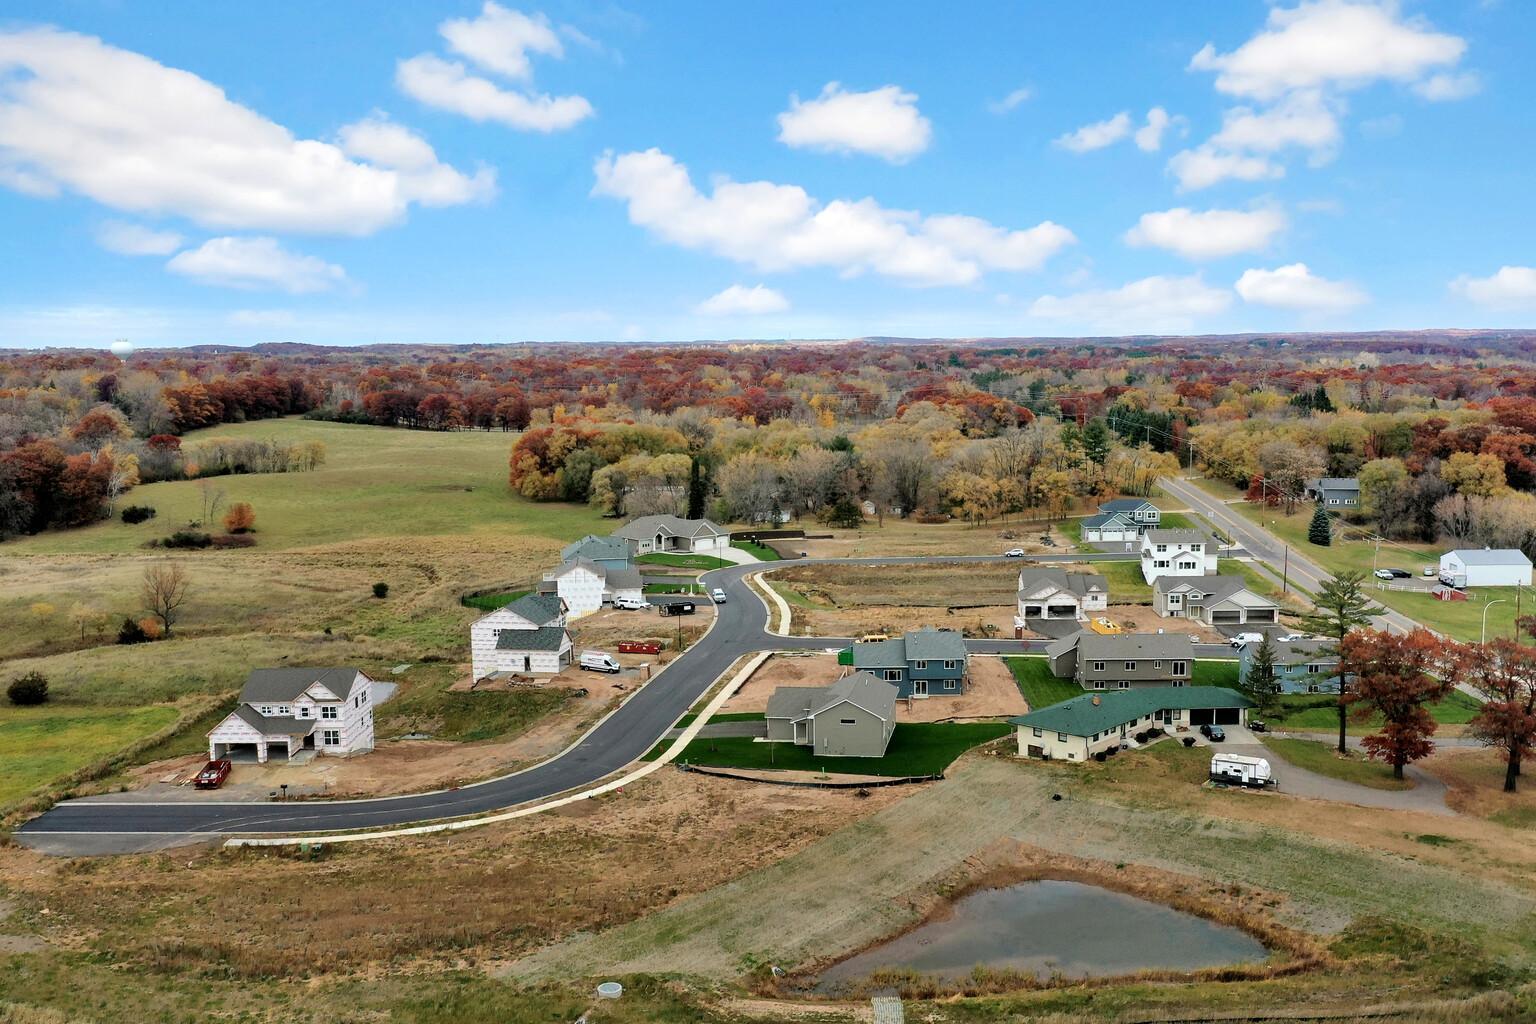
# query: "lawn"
681,561
761,552
916,749
1252,578
376,482
1462,620
491,602
1040,688
1214,673
41,744
1126,584
1318,712
1325,760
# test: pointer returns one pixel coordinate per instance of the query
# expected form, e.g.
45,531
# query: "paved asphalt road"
104,824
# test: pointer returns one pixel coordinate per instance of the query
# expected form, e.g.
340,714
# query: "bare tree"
212,499
164,591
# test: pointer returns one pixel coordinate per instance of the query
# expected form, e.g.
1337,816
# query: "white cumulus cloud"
1021,95
1341,44
1149,137
1302,120
883,122
782,227
135,135
739,299
1208,234
1445,86
498,42
1295,287
1097,135
1148,305
256,263
1510,288
1205,166
136,239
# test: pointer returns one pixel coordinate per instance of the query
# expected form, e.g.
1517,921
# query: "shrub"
243,540
130,632
152,629
845,513
137,514
187,539
28,690
931,518
381,590
240,518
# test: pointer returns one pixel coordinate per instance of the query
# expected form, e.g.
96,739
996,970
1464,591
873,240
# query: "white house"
284,711
1176,553
585,586
527,636
1488,567
674,533
1058,594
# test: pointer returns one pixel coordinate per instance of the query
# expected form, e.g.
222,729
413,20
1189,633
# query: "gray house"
608,552
664,533
921,663
1334,491
1301,666
854,717
1123,519
1213,600
1123,661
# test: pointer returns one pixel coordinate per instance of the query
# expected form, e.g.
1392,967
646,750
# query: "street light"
1490,604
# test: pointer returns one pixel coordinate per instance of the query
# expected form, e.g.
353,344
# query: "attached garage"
1215,716
1226,617
1262,615
1061,611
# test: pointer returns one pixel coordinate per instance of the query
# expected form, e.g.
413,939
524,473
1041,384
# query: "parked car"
1431,571
1014,553
1246,638
600,661
631,604
1291,637
717,595
1214,733
1383,574
871,638
1400,574
213,774
639,647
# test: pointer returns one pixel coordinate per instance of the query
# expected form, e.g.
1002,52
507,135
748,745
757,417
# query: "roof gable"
284,685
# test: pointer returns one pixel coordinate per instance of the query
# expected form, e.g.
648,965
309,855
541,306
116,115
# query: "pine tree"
1341,606
698,490
1259,681
1320,532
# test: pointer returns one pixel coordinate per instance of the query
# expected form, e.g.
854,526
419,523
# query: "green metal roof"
1080,716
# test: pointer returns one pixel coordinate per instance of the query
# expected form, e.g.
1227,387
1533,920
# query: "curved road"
107,824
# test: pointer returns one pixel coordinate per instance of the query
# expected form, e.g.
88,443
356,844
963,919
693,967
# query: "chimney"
1095,701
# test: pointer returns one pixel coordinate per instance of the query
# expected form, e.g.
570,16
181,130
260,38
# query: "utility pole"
1285,576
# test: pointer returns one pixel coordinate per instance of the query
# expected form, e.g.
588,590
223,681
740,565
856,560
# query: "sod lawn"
916,748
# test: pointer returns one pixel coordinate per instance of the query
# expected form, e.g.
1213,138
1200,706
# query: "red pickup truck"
213,774
639,647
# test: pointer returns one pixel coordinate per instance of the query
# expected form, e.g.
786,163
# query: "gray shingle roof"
881,654
648,526
1102,519
539,609
1181,536
282,685
934,645
594,547
1135,646
1215,588
1491,556
545,638
1300,652
870,693
1079,583
1099,712
1334,483
274,725
793,701
623,579
1123,504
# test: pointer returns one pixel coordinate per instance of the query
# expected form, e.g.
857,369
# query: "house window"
1333,501
949,684
1098,666
304,712
1178,668
1037,732
1061,737
1160,548
331,738
1178,682
893,675
328,711
1130,666
847,721
1174,600
951,664
1195,548
1157,664
1125,684
921,666
1160,564
1098,684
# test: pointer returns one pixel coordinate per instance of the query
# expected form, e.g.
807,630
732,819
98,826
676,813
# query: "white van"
600,661
631,604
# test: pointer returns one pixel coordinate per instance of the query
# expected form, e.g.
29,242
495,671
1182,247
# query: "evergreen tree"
1341,606
1259,681
1096,442
697,490
1320,532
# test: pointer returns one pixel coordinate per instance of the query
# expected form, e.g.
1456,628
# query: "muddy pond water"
1051,928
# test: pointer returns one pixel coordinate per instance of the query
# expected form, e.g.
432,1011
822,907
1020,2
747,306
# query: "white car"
631,604
717,595
1383,574
1242,639
1014,553
1291,637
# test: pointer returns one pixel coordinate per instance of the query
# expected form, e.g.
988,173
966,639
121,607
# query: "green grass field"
681,561
376,482
1126,584
761,552
1039,687
491,602
41,744
1318,712
1324,760
1214,673
915,749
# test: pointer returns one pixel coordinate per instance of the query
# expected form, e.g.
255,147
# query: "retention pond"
1051,929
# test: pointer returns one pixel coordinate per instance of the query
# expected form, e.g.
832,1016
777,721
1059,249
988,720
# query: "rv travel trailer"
1238,770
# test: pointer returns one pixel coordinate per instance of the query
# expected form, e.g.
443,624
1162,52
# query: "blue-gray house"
921,663
1301,666
608,552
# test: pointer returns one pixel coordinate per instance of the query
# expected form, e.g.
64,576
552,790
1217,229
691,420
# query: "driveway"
1427,795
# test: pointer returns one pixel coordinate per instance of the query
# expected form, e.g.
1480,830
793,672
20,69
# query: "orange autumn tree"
1503,671
1395,676
240,518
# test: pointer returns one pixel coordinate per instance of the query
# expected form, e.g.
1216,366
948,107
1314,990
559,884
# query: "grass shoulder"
1323,759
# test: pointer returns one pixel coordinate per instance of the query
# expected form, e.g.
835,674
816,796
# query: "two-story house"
585,586
1335,492
1049,593
526,637
920,663
1123,519
1124,661
1214,600
1176,553
286,711
1301,666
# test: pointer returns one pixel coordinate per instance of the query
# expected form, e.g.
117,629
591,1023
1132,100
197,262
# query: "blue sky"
350,172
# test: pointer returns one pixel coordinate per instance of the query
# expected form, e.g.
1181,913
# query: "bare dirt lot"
906,537
992,691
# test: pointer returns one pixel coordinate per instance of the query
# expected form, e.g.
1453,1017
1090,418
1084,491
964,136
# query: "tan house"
854,717
1125,661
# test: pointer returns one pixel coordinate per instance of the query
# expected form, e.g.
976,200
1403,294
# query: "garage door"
1229,618
1262,615
1061,611
1227,716
1200,716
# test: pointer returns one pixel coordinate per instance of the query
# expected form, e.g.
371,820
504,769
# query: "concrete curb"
677,747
